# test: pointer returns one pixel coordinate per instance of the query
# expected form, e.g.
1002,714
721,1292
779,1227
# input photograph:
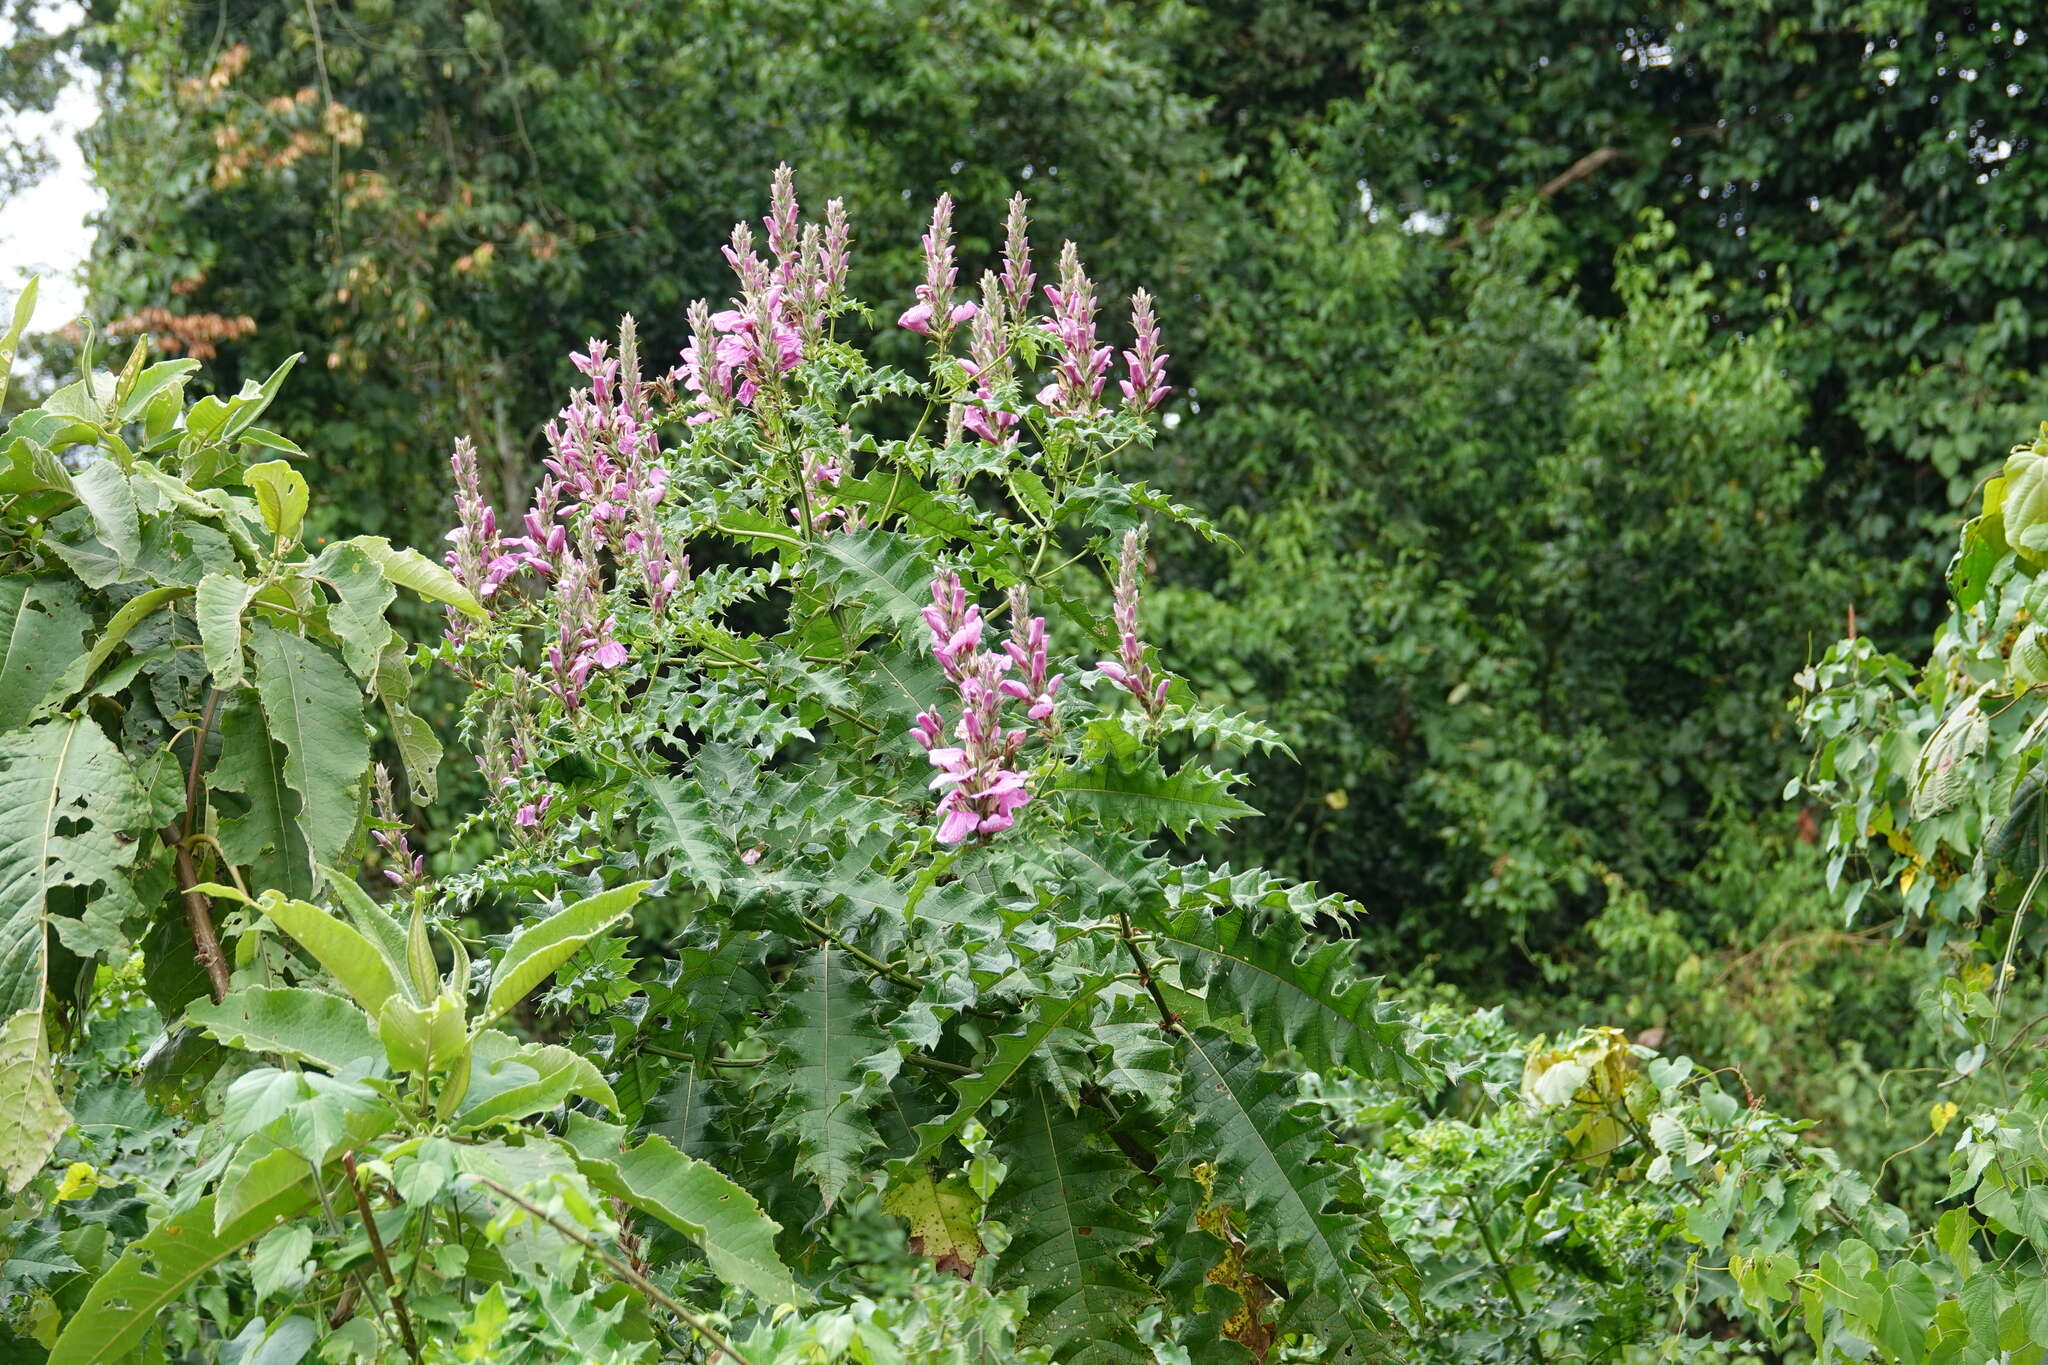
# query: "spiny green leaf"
538,949
1064,1204
1270,1162
1143,801
693,1198
885,575
1010,1051
835,1055
1291,992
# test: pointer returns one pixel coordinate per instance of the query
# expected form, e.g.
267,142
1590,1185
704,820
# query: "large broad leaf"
1069,1233
156,1271
267,835
540,948
1009,1052
1290,991
218,609
1271,1163
36,1116
311,1026
343,951
362,595
315,710
42,629
693,1198
1145,801
408,568
80,670
837,1056
103,487
70,816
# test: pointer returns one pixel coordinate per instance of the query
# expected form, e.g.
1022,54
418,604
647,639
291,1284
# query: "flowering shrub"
857,999
802,642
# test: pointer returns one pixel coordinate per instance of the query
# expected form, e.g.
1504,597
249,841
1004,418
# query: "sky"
43,231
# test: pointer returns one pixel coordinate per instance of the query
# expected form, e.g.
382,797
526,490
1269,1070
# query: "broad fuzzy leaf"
36,1116
311,1026
1290,991
1144,801
218,608
1270,1162
356,617
835,1053
693,1198
268,836
1063,1202
408,568
315,710
42,628
70,816
538,949
155,1272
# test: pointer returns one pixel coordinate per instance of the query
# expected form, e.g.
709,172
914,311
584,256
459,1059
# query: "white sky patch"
43,231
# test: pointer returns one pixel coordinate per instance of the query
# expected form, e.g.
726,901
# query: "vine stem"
621,1269
2011,942
391,1290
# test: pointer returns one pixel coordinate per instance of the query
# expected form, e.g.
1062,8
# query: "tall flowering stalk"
1129,670
1146,365
988,360
935,314
1018,281
408,869
1083,366
1026,648
981,791
479,558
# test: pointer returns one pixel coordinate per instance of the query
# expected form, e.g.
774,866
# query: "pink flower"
529,815
918,318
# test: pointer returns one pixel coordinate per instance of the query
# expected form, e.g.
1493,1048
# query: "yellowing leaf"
1940,1116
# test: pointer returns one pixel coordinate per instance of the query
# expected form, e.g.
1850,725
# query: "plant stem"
1506,1281
1169,1022
391,1290
872,963
619,1268
199,915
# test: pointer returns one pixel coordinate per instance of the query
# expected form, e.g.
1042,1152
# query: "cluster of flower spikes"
780,310
1129,669
981,790
598,499
1081,366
